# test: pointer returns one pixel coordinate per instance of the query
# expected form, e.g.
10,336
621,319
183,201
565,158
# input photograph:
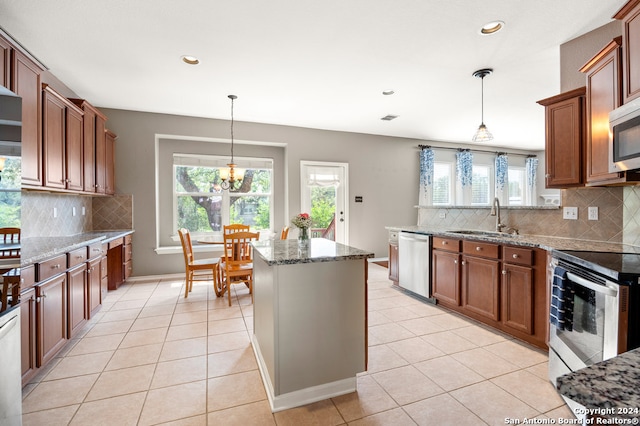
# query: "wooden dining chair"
10,285
285,233
197,269
235,227
10,236
236,266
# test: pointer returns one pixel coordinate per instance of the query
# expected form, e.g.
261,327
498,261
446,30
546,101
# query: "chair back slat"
187,248
235,227
11,236
237,247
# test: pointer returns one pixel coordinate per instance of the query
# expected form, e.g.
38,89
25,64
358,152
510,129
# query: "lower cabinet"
51,326
28,330
393,263
481,286
446,276
94,286
77,299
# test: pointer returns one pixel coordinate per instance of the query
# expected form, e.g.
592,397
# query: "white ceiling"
318,64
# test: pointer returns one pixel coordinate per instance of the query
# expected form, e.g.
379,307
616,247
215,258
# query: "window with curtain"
201,205
481,185
516,186
442,183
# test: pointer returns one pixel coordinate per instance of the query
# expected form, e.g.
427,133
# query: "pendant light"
482,134
231,175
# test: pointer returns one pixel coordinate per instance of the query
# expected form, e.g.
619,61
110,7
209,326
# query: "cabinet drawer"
27,277
77,257
128,239
518,255
95,250
115,243
478,248
51,267
447,244
127,252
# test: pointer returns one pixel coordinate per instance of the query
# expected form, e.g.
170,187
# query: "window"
442,179
201,206
481,185
516,186
10,193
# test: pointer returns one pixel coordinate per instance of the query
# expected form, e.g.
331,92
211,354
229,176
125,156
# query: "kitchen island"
310,319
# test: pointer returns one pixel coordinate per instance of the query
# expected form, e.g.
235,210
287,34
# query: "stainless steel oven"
599,315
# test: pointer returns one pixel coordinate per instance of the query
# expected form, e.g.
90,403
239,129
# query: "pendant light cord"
232,98
481,100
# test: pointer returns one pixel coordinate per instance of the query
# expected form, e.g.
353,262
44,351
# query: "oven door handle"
606,290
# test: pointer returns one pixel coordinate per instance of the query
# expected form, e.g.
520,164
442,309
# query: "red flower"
305,215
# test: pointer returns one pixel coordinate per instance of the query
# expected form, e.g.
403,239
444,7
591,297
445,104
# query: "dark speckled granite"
287,252
610,388
36,249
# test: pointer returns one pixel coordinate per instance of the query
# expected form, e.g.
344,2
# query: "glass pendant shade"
482,134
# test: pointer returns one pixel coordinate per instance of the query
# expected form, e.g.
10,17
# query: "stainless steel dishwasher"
414,264
11,382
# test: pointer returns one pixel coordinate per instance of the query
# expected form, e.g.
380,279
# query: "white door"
324,195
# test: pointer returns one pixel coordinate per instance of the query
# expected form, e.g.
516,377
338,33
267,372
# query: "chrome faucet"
495,211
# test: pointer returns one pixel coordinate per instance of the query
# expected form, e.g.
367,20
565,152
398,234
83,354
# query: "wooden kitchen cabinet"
445,271
517,289
481,279
629,14
52,317
101,157
109,166
94,147
564,139
604,94
28,332
94,278
394,274
5,63
119,261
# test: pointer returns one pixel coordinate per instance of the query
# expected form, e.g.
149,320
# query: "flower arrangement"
302,221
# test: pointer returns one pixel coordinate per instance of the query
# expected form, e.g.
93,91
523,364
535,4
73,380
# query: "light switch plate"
593,213
570,213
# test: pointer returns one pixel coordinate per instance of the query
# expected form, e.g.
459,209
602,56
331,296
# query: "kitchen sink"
480,233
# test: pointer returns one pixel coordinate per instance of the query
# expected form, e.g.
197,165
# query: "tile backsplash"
52,215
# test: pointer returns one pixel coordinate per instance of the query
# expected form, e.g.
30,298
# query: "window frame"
451,185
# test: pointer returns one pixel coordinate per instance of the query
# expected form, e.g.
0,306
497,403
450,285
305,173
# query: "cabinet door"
480,286
28,330
53,140
630,16
73,149
109,166
446,277
89,151
77,299
517,297
564,125
26,84
52,317
393,263
101,155
94,286
5,63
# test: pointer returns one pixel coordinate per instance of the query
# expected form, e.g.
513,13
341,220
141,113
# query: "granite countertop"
36,249
287,252
608,389
541,241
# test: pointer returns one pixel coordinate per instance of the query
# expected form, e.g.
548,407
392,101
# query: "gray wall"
383,170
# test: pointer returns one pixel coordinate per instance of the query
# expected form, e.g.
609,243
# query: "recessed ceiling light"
389,117
388,92
191,60
491,27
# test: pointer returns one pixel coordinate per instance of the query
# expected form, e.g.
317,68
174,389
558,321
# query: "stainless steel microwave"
624,137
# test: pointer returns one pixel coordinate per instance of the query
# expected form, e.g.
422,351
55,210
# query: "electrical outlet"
570,213
73,211
84,211
55,212
593,213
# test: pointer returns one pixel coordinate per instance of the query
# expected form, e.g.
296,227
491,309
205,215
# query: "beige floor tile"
415,349
382,293
536,392
144,337
368,399
128,304
395,417
449,321
54,417
111,327
89,345
174,402
382,358
421,326
159,310
228,341
187,331
229,313
441,410
121,410
480,336
135,356
179,371
541,370
189,318
319,413
388,302
185,348
200,420
406,384
517,353
448,373
399,314
80,365
563,412
390,332
484,363
233,390
120,315
491,403
165,299
147,323
231,362
254,414
191,306
377,318
122,382
449,342
425,309
226,326
58,393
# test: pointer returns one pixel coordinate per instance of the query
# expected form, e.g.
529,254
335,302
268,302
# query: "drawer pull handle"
515,256
444,243
478,248
56,266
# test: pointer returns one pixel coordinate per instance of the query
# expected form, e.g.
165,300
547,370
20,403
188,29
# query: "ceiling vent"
389,117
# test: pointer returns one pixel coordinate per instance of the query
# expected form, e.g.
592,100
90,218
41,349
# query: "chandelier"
232,175
482,134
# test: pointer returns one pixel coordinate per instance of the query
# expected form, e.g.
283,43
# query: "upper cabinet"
604,94
94,147
630,17
564,122
21,75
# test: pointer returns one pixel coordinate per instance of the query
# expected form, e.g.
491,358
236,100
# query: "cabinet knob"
56,266
464,263
515,256
504,272
444,243
548,175
455,262
478,248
